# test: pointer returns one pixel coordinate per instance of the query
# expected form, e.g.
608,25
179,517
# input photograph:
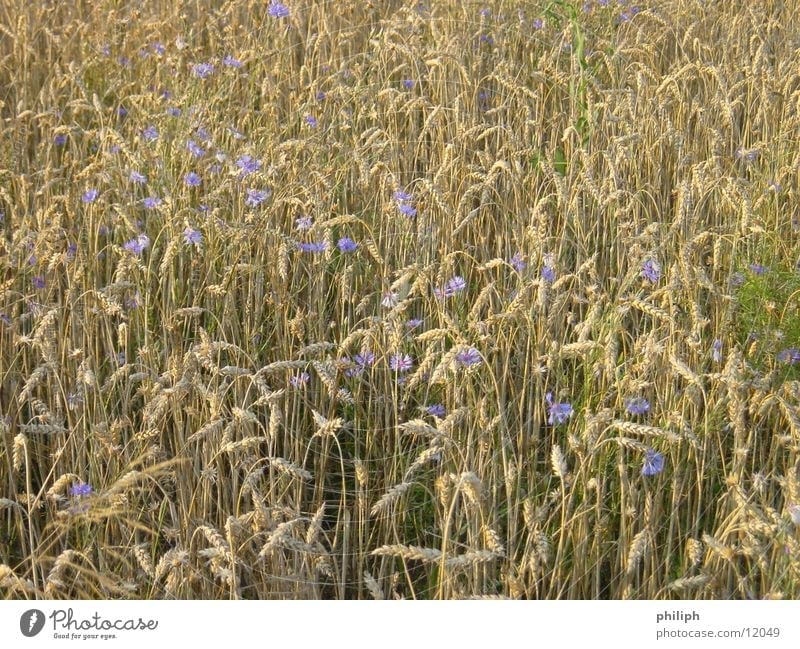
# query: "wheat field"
399,300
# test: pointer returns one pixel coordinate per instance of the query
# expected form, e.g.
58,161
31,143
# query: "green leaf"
560,162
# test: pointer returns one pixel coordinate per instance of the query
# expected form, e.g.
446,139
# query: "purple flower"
402,197
134,301
278,9
248,165
518,263
152,202
81,490
364,360
137,245
203,70
158,48
548,274
192,179
716,350
637,405
138,178
38,282
436,410
311,121
299,380
653,463
60,139
192,237
558,412
232,62
468,357
456,284
317,247
303,223
90,195
790,356
748,155
408,84
174,111
150,134
257,196
202,133
194,149
407,210
538,23
651,270
390,299
347,245
413,323
401,363
758,269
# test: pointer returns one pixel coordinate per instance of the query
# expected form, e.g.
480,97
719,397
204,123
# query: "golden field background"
598,211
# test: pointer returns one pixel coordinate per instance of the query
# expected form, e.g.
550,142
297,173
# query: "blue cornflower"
150,134
758,269
407,210
518,263
347,245
303,223
413,323
402,197
653,463
748,155
300,380
232,62
152,202
468,357
138,178
716,350
364,360
538,23
248,164
637,405
558,412
194,149
790,356
137,245
38,282
192,179
651,270
159,48
81,489
202,133
401,363
257,196
278,9
311,121
320,96
192,237
408,84
203,70
548,274
455,284
436,410
314,247
90,195
174,111
60,139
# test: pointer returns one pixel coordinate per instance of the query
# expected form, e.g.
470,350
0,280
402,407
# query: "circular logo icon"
31,622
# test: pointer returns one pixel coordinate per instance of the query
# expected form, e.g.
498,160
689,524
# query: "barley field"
399,300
